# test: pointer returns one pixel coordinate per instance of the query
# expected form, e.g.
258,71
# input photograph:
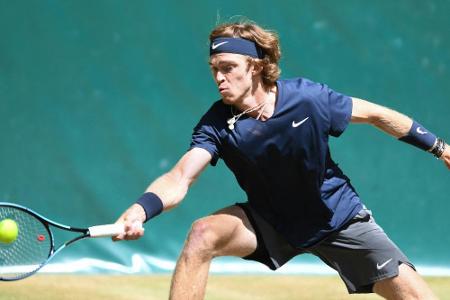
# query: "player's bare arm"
388,120
391,122
171,188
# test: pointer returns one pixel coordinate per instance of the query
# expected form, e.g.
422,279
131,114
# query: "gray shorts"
360,251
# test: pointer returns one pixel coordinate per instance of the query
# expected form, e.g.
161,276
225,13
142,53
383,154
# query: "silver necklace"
234,118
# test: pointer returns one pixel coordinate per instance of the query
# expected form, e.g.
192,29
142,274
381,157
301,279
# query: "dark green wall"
97,98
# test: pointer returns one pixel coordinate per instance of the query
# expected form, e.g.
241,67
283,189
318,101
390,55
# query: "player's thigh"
407,285
229,231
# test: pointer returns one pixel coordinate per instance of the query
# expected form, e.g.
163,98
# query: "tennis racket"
35,245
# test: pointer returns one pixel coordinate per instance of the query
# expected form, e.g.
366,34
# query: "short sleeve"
203,137
206,133
340,112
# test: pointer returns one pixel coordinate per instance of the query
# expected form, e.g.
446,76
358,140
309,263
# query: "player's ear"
257,66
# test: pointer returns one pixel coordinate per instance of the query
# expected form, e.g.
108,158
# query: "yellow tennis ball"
8,231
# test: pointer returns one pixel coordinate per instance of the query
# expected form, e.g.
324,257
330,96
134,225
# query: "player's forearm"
411,132
399,126
385,119
392,122
171,188
162,194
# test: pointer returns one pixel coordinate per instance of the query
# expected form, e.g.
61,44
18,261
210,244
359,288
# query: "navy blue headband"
235,45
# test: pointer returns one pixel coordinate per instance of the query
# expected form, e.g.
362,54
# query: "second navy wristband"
420,137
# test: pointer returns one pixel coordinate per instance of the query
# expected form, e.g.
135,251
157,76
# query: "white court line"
145,264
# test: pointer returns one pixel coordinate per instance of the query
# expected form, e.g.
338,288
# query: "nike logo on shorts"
379,267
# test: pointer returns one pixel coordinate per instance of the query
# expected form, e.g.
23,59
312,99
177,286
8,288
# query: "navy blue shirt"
284,164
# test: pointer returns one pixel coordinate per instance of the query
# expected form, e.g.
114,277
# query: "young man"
273,135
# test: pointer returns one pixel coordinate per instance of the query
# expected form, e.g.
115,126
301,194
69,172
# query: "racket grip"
110,229
106,230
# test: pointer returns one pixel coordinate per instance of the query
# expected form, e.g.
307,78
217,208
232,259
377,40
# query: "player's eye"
226,69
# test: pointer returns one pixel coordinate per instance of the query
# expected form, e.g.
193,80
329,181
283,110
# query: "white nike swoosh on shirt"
214,46
379,267
296,124
420,131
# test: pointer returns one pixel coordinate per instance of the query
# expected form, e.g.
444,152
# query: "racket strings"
31,248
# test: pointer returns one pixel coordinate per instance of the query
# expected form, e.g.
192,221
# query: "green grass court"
220,287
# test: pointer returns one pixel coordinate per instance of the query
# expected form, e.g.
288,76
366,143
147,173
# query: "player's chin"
228,99
227,96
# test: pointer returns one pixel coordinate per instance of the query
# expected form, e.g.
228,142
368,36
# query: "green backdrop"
100,97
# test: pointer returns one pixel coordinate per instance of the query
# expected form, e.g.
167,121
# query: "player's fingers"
133,230
132,220
119,237
446,156
446,160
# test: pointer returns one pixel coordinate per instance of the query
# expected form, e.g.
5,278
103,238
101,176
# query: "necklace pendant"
231,122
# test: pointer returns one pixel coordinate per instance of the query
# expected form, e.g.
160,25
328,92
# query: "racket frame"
46,222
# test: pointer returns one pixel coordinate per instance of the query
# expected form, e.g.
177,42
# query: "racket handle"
106,230
109,229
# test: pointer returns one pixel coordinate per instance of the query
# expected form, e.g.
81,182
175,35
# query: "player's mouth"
222,90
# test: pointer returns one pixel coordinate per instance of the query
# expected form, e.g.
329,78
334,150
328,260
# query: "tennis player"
273,135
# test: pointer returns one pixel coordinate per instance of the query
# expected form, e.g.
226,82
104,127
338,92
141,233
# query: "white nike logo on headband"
214,46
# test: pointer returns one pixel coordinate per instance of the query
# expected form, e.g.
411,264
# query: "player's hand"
446,156
132,218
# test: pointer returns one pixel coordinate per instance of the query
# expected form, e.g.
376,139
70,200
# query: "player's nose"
219,77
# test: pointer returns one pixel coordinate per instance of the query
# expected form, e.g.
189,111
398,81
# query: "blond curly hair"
266,39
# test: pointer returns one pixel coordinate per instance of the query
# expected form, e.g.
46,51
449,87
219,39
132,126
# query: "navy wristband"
420,137
152,205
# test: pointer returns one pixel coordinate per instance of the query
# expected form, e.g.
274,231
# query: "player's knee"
202,239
